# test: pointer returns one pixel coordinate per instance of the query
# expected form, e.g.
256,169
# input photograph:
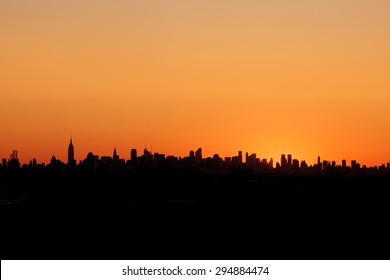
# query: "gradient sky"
268,77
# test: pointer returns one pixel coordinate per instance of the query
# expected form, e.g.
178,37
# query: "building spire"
71,161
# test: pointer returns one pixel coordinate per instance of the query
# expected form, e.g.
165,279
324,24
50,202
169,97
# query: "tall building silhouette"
71,160
146,153
353,164
115,156
289,160
283,161
13,163
133,155
271,163
14,155
198,154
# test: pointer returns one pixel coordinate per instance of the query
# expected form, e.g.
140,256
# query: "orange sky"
268,77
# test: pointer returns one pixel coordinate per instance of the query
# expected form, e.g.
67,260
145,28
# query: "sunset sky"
307,78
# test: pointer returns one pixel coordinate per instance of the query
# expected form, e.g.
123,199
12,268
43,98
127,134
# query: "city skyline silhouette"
150,201
248,160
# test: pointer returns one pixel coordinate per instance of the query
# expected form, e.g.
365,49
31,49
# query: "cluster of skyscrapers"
195,160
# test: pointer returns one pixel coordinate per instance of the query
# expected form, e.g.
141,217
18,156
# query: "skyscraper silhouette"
71,161
283,161
198,154
289,160
115,156
133,155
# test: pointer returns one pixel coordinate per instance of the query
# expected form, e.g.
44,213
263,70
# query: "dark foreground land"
157,216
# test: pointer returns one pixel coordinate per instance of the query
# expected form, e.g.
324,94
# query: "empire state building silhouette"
71,160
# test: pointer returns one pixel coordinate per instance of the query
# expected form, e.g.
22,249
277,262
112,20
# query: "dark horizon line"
250,159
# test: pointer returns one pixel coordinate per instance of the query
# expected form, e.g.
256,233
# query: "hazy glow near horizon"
306,77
